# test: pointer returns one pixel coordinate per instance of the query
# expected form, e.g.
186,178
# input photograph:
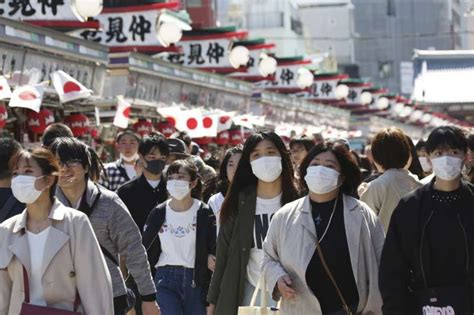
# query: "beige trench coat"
72,259
291,243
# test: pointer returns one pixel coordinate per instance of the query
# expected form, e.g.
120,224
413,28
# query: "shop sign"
51,10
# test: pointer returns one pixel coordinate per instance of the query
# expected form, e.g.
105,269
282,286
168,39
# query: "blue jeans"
175,294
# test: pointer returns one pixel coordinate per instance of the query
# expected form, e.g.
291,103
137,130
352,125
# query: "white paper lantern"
426,118
84,9
305,78
407,110
416,115
398,108
169,33
239,56
267,66
365,98
383,103
342,91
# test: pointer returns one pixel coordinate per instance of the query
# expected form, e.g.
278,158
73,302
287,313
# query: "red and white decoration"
225,122
165,128
324,88
68,88
5,91
286,77
122,115
79,124
37,122
28,96
222,138
192,121
235,137
143,127
3,116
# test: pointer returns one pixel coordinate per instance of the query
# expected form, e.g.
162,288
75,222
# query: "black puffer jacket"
400,267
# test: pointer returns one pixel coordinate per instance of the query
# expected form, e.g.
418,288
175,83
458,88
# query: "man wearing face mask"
426,261
122,170
143,193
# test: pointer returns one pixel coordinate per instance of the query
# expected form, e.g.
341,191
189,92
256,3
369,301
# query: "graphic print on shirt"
179,231
262,223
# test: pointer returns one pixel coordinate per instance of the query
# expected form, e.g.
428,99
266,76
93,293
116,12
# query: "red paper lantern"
37,122
203,140
79,124
222,138
3,116
165,128
235,137
143,127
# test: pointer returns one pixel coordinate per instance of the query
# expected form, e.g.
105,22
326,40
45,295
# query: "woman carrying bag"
322,251
262,183
50,260
180,237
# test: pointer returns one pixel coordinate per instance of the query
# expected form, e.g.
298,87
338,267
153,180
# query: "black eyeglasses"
70,163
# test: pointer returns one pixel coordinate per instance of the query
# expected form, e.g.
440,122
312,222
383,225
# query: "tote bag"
264,309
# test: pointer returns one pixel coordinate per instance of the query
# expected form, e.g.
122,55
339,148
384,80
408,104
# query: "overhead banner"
286,76
52,10
207,52
253,73
355,91
323,88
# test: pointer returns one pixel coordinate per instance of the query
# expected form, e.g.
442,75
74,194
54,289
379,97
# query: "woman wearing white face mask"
342,275
262,183
427,256
180,237
51,244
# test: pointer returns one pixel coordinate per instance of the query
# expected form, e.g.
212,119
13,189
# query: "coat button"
72,274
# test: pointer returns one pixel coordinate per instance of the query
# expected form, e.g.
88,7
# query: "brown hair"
390,148
46,161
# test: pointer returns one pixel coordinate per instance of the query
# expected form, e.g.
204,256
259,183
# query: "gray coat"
291,243
119,235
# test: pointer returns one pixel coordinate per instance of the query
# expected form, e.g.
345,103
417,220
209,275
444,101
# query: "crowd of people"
306,226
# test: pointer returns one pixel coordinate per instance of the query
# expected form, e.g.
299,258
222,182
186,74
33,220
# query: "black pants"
119,307
138,302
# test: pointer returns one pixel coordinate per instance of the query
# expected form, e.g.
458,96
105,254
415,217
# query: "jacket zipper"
421,249
465,243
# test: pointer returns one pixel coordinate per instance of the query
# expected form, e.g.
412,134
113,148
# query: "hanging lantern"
79,124
165,128
366,98
3,116
239,56
143,127
84,9
235,137
203,140
222,138
267,65
305,78
383,103
37,122
342,91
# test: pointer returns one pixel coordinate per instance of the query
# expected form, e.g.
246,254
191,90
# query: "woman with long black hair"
262,183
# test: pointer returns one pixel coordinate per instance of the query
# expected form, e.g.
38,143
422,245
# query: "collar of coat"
57,213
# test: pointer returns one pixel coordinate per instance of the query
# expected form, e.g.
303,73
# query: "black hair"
8,148
54,131
223,181
420,145
244,176
307,143
447,136
190,168
154,141
470,141
72,149
126,132
351,176
415,166
185,137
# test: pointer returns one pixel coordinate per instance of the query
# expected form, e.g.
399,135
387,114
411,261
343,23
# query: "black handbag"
450,300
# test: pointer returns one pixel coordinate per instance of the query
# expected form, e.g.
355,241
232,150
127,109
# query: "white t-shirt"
37,243
178,237
130,169
215,202
264,212
153,183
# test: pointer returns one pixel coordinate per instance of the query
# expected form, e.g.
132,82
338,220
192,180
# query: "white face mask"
321,179
23,188
131,159
267,168
425,164
178,189
447,167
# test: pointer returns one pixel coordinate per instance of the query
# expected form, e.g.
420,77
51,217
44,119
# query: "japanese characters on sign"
137,28
321,90
37,9
285,78
203,54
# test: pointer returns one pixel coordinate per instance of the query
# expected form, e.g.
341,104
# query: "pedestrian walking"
322,251
49,254
426,265
180,237
117,233
263,182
